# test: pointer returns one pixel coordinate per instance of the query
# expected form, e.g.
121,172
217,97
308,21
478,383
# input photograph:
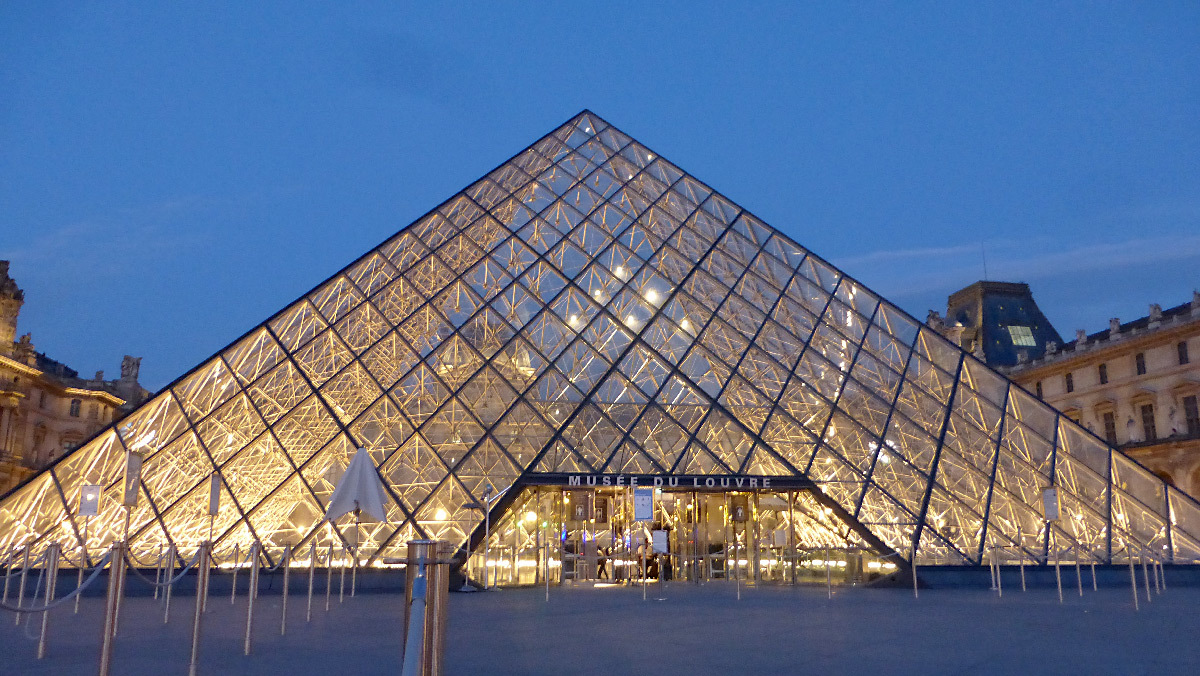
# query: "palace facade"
46,409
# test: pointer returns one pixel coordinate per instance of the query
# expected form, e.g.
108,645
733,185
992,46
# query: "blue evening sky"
173,173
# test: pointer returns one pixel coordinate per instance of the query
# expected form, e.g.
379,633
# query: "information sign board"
643,504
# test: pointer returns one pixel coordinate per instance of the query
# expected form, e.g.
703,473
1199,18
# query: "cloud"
913,272
116,243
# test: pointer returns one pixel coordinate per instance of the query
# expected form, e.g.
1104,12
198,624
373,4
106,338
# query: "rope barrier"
32,564
82,560
169,581
129,557
58,602
276,567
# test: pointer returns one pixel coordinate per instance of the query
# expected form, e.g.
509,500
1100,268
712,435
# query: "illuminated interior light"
620,271
685,325
885,457
531,516
440,514
652,296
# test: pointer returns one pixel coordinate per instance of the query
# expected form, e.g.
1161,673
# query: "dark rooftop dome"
1007,320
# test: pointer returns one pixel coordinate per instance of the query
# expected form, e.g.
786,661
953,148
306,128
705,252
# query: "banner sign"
579,505
214,494
688,482
643,504
739,508
89,501
660,541
133,477
1050,503
600,510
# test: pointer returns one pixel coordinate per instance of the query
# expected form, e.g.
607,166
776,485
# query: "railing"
427,586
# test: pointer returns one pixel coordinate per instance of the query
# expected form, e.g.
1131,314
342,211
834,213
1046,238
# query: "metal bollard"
251,594
21,585
51,584
116,571
312,571
158,569
1078,573
916,595
120,589
999,582
1094,576
287,574
437,589
79,583
1146,578
7,573
233,587
1058,574
328,576
167,591
202,572
992,566
1132,578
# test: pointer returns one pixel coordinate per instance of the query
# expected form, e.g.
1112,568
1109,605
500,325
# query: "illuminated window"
1022,335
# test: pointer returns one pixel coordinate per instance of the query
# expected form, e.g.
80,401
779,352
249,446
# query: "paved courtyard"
679,630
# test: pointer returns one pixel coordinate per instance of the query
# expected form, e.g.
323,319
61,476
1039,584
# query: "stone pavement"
681,629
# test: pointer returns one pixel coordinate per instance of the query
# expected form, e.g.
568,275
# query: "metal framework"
588,307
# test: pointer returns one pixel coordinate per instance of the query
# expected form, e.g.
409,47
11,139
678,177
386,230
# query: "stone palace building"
46,409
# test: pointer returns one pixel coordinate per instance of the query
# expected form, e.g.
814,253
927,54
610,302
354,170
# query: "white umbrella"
359,490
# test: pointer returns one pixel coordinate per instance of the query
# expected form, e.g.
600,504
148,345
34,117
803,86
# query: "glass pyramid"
588,307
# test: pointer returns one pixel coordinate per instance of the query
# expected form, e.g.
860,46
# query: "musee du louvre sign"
589,312
686,482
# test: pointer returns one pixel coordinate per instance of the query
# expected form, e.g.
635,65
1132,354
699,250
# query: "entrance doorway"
578,535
